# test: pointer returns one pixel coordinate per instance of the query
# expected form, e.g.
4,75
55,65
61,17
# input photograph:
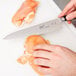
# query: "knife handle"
66,19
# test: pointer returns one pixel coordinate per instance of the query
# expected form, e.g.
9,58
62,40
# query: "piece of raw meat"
29,44
25,13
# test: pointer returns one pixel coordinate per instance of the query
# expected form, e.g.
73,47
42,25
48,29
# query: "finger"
45,71
73,9
42,54
46,55
71,16
42,62
43,47
68,7
70,11
69,22
50,48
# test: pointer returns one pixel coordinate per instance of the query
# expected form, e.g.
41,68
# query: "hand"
55,60
69,11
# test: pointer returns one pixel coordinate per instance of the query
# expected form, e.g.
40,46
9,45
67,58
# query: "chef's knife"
38,29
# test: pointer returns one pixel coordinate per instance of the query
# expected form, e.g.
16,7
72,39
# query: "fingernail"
33,54
68,17
39,68
35,61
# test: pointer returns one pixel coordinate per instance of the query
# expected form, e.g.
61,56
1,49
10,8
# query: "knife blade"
38,29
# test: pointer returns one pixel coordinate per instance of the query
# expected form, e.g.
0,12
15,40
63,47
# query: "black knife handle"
66,19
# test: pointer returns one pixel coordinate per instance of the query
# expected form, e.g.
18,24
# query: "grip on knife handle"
66,19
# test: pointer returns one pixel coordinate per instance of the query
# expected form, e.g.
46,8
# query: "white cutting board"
44,13
10,50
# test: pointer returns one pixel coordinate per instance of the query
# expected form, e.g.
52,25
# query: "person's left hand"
55,60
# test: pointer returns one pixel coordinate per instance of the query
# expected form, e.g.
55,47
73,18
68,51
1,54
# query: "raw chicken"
26,12
30,43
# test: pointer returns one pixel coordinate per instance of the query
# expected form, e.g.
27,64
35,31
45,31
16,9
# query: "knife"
39,29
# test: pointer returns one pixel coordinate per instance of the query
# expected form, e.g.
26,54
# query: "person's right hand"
69,11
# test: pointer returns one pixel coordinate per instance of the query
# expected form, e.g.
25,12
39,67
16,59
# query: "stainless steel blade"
42,28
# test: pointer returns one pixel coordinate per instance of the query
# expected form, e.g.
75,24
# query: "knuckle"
58,48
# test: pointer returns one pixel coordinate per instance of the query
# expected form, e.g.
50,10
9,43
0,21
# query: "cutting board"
11,49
